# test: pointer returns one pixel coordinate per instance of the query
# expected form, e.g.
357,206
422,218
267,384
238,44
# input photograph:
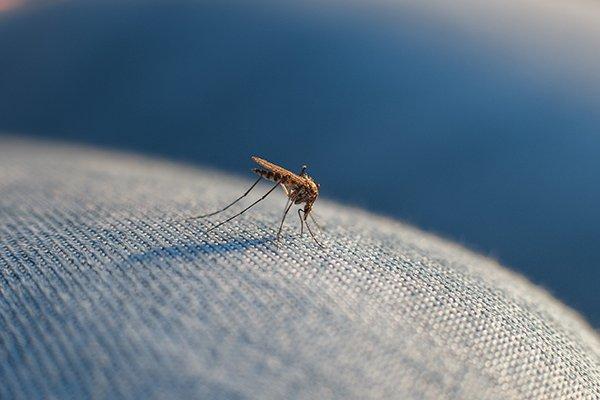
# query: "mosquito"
299,189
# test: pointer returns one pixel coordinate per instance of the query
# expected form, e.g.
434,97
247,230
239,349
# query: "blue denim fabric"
475,119
107,292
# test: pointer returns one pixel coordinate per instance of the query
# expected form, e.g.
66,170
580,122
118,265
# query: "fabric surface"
106,292
480,117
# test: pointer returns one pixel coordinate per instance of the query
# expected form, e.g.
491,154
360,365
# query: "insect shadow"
192,250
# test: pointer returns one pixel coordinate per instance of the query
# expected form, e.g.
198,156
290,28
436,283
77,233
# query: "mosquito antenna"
223,209
245,209
287,209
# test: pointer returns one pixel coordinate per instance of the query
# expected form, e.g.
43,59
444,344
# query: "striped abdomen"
270,175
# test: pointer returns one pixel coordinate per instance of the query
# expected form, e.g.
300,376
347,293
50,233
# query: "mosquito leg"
287,204
287,209
245,209
313,236
238,199
316,223
310,230
301,222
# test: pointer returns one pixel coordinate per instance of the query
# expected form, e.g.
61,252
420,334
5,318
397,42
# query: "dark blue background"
490,142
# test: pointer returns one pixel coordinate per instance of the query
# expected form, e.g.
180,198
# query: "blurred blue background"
475,120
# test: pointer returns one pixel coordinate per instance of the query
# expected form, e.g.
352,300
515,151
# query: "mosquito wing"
276,168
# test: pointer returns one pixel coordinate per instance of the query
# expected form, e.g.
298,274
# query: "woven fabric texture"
106,292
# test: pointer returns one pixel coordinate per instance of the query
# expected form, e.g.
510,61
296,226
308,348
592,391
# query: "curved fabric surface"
480,117
106,292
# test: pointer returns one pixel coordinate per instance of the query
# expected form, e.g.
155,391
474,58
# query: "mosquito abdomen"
269,175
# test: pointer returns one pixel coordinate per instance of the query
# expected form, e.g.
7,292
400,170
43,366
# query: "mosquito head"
312,186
